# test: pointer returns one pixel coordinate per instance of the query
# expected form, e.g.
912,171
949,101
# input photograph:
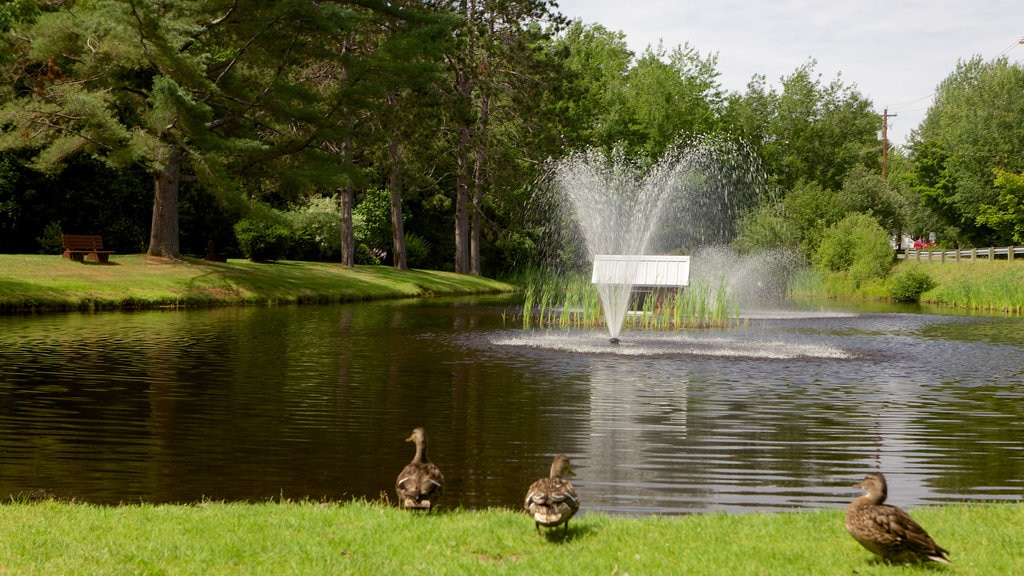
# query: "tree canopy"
296,112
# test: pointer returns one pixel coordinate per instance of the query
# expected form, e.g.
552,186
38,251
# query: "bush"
908,286
317,231
262,241
417,251
51,242
857,245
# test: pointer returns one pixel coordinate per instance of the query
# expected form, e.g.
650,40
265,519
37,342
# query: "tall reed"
572,302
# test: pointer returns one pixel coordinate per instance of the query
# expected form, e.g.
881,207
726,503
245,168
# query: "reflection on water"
785,411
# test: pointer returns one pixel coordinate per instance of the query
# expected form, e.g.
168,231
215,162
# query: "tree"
867,192
669,96
811,131
595,63
1006,215
494,61
210,90
972,130
858,246
408,58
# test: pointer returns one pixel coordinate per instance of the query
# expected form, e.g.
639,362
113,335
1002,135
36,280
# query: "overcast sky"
895,52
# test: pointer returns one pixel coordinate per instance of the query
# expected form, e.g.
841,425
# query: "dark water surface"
786,411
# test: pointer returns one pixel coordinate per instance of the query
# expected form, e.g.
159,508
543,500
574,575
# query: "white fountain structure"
627,214
618,275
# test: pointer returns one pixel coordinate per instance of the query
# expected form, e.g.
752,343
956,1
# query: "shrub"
857,245
262,241
908,286
50,242
417,251
317,230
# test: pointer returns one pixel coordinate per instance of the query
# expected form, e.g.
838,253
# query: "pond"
785,411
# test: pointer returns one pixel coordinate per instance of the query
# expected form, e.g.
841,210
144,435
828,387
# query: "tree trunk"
479,183
163,236
345,196
395,186
462,236
474,224
348,239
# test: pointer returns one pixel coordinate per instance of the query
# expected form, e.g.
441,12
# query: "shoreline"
32,284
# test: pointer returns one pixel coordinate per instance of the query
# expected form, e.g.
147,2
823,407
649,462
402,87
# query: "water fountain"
688,199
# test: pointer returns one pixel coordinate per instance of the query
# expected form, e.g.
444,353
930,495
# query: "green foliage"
908,286
668,95
857,245
417,250
764,228
799,221
866,191
13,12
87,197
373,216
51,242
594,61
572,301
1007,214
261,240
811,131
316,230
971,131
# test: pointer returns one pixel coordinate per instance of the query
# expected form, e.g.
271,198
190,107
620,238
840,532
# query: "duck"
888,531
553,500
420,484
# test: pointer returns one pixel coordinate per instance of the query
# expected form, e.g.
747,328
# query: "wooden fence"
971,254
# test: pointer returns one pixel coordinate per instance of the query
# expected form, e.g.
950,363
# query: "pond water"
785,411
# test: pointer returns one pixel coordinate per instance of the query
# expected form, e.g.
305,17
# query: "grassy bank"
363,538
52,283
986,286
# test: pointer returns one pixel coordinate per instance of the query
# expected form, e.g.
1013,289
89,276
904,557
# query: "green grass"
43,283
983,285
370,538
571,301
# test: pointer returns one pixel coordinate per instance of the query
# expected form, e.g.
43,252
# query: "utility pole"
885,141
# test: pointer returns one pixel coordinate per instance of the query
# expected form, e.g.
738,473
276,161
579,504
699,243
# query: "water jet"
629,213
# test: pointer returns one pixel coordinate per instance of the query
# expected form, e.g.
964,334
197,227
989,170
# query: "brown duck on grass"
552,500
886,530
420,484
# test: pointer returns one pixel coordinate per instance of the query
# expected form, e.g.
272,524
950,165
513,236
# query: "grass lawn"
38,283
371,538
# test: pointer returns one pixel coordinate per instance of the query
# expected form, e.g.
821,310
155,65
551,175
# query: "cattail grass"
572,302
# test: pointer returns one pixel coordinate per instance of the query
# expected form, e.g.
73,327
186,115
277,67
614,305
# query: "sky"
894,52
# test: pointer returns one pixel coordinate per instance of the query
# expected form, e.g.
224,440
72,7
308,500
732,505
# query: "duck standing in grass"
887,530
421,483
552,500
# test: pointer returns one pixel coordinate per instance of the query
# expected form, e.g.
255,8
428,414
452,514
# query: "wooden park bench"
78,247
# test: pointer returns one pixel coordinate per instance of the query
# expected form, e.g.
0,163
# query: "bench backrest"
82,242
